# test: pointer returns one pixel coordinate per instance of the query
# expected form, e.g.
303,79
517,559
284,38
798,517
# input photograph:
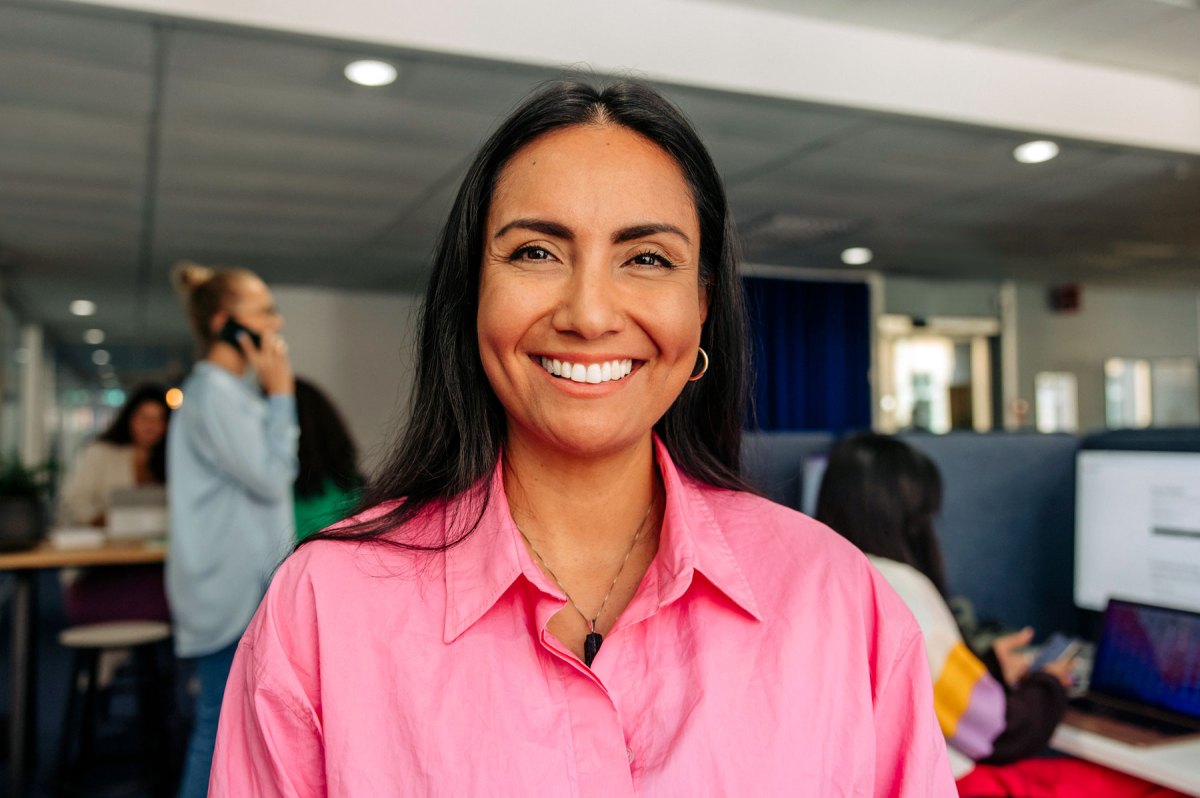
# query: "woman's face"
254,307
148,424
591,258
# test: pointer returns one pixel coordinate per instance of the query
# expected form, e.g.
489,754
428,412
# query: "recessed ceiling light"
857,256
370,73
101,357
94,336
83,307
1036,151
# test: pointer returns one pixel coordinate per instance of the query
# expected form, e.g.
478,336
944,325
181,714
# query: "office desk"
1175,765
24,565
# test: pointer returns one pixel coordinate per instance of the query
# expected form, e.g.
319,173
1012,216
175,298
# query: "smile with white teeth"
594,373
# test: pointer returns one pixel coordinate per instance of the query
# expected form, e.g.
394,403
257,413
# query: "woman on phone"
231,453
563,587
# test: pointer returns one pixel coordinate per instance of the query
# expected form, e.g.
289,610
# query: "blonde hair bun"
188,276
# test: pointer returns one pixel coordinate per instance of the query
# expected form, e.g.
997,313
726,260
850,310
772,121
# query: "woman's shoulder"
923,601
104,454
906,580
210,384
754,523
345,559
102,448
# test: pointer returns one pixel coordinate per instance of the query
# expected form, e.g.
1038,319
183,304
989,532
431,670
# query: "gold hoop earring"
703,369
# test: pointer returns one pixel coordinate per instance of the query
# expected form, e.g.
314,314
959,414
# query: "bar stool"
88,642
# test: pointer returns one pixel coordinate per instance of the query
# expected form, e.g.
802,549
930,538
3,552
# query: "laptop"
1145,681
137,513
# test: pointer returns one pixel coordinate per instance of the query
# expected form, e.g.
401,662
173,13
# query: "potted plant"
22,509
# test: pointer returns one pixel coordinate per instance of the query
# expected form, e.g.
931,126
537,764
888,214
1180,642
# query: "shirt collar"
484,566
692,540
247,380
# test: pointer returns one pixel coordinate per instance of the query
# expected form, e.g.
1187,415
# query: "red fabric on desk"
1056,778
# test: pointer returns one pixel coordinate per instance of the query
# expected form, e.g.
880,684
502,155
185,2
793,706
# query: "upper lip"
586,360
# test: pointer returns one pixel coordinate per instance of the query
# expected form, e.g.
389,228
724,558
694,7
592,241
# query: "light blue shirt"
231,462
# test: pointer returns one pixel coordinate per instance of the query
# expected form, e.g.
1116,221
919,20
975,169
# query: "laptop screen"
1150,655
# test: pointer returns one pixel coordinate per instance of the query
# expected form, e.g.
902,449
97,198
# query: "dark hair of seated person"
326,450
119,432
457,426
883,495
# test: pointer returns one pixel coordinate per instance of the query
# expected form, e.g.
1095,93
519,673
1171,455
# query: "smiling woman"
560,585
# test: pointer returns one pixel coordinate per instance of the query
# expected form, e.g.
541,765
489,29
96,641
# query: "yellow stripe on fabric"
952,691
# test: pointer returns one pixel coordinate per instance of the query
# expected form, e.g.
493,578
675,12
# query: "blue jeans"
211,670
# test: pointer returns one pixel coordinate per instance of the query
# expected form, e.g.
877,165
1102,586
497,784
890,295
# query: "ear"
704,290
217,322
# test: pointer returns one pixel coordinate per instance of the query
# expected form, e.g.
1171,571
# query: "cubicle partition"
773,462
1007,526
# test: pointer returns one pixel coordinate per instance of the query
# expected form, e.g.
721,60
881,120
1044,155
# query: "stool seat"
89,644
114,634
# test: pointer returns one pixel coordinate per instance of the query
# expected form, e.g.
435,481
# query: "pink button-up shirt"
761,656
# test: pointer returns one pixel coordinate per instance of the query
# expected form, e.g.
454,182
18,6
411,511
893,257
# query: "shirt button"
629,755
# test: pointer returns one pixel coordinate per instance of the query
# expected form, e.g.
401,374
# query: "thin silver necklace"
591,643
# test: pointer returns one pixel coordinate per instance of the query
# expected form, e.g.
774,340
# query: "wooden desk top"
110,553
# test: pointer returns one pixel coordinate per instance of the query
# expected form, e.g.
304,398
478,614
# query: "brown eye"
651,260
531,253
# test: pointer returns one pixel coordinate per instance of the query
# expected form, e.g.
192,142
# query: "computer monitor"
1137,528
812,472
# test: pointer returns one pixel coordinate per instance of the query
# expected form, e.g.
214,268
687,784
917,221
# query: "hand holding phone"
266,353
1057,648
233,330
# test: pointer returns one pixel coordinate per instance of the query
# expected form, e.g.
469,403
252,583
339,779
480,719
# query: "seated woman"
883,495
131,452
564,587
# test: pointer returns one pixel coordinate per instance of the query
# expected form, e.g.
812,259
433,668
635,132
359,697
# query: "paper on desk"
76,537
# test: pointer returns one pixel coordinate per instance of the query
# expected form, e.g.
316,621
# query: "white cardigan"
87,492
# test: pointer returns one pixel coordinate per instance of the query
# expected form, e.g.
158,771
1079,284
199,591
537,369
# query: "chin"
584,441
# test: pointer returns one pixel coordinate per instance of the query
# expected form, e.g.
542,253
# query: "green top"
314,513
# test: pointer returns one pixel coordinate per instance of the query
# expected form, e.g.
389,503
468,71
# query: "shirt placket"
603,764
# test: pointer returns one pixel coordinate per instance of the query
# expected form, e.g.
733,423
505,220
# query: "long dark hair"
326,450
457,424
119,432
883,495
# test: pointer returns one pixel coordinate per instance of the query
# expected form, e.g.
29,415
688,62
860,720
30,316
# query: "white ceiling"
129,142
1156,36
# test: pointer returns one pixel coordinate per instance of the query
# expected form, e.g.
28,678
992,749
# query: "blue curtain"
812,354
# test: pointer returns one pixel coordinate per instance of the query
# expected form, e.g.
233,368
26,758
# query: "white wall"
923,297
1112,321
356,346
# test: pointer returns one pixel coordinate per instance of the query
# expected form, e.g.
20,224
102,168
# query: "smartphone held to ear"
232,331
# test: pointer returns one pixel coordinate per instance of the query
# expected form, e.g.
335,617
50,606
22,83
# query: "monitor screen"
1137,528
1150,655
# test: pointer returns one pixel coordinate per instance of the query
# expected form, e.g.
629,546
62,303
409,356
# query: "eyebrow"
625,234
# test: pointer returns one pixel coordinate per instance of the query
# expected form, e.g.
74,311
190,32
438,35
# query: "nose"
590,306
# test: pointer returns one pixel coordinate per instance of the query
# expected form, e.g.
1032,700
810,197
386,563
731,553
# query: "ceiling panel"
1170,44
270,159
1156,36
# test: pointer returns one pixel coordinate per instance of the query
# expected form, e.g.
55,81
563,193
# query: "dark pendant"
591,647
